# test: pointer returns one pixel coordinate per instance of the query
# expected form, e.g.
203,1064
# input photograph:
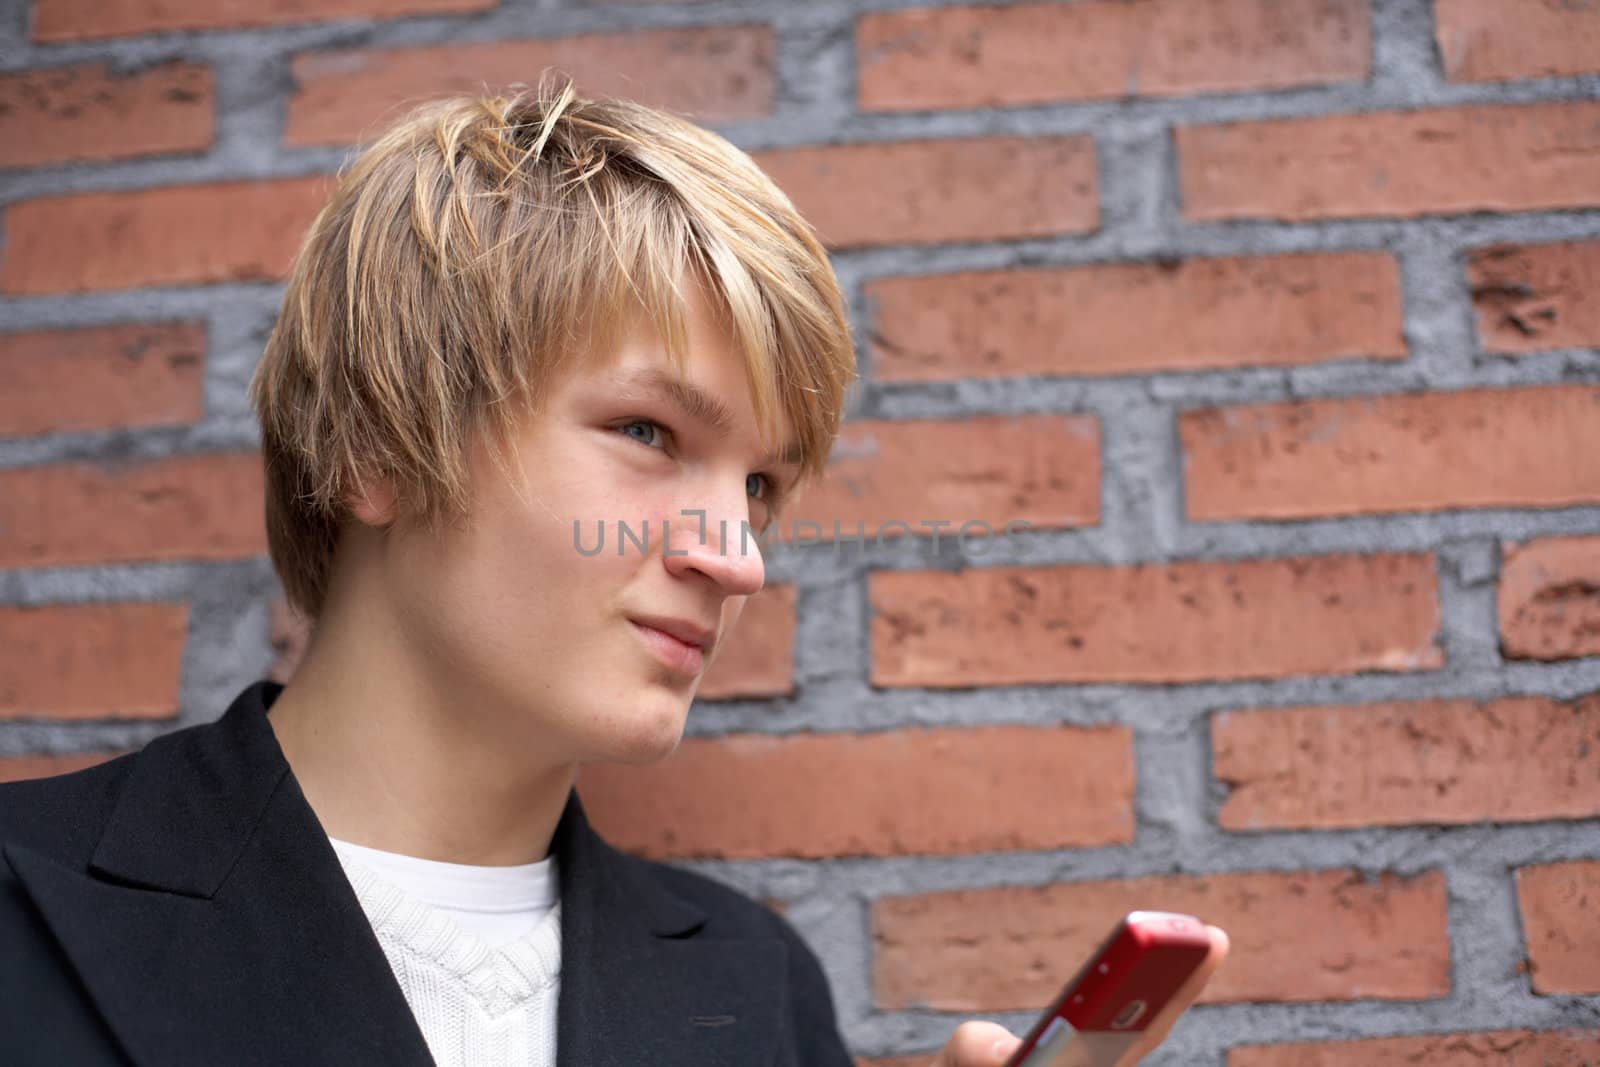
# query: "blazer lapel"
214,923
642,980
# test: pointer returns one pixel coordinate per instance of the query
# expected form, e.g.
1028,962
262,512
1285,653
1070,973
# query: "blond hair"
482,243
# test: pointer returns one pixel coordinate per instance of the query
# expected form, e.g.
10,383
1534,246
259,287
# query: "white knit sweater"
482,998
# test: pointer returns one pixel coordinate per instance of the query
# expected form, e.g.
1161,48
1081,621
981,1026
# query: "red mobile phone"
1123,987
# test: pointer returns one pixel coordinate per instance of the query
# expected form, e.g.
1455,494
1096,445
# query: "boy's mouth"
678,644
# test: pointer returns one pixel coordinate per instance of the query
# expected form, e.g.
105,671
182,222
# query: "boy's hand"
978,1044
983,1044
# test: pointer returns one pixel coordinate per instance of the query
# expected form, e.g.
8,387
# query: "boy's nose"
719,544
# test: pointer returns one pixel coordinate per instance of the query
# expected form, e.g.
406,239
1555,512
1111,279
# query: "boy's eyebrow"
701,406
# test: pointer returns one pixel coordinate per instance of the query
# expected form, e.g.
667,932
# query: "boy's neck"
384,763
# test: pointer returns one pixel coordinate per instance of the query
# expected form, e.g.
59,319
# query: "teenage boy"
517,320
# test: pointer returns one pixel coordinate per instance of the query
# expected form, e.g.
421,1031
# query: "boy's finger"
978,1044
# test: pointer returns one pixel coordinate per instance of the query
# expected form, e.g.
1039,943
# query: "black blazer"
182,905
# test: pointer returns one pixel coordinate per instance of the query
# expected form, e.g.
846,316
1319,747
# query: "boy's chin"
641,752
650,737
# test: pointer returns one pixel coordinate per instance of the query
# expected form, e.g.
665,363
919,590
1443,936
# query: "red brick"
1317,935
91,661
1533,297
1503,1048
179,235
89,112
186,507
1133,318
1550,599
759,658
963,57
1486,40
1444,761
879,794
1560,905
1174,622
1039,469
1524,157
926,192
16,768
1477,448
715,73
77,20
101,377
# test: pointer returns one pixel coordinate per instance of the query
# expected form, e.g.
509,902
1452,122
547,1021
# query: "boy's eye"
648,433
653,435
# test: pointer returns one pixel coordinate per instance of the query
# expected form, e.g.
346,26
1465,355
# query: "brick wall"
1275,319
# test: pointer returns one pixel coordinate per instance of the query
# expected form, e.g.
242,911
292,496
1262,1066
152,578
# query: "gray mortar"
1142,493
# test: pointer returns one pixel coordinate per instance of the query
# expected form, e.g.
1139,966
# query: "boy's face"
528,640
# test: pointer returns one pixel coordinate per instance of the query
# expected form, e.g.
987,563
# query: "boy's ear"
373,500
